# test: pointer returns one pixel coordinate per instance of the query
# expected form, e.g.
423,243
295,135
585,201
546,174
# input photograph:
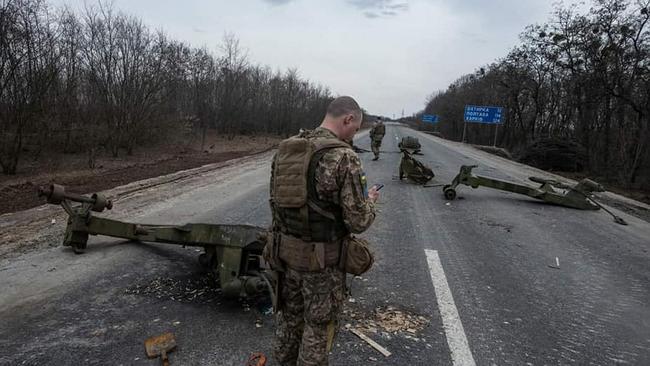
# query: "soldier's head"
343,117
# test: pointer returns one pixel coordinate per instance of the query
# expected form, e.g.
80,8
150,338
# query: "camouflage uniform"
311,302
376,135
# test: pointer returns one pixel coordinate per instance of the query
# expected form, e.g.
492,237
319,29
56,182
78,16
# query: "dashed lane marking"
456,339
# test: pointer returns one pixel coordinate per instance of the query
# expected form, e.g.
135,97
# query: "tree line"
99,79
582,77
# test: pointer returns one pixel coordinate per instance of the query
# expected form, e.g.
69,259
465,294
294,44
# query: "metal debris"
372,343
388,320
160,346
190,290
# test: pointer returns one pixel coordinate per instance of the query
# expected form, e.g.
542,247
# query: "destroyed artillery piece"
552,191
409,166
413,169
233,253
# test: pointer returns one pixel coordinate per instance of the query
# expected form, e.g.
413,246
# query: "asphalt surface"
499,253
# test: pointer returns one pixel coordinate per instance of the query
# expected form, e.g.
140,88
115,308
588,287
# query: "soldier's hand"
373,194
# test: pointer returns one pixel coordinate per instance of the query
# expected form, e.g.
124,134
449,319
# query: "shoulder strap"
321,147
330,143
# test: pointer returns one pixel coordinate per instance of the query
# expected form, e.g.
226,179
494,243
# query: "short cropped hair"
343,105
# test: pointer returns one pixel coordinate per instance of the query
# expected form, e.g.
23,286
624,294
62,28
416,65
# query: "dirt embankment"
70,170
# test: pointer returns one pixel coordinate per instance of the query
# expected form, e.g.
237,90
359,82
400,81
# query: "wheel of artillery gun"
54,193
450,193
101,202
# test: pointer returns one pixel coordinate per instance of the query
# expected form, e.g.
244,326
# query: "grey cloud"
368,4
278,2
372,8
515,10
473,37
402,6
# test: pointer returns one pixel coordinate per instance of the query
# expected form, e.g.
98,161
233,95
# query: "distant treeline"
101,79
580,77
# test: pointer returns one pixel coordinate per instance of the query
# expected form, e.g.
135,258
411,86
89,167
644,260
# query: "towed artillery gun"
552,191
232,252
413,169
409,166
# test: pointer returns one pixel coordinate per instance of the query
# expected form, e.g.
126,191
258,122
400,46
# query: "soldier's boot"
375,150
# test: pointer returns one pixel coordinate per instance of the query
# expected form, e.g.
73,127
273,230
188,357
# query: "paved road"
476,273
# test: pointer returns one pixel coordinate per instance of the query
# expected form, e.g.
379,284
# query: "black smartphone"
379,186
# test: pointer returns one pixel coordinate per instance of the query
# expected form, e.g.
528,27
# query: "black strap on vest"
319,207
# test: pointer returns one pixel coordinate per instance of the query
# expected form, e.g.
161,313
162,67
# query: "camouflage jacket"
377,132
339,179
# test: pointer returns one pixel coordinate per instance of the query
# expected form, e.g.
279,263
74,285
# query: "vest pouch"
356,256
307,256
271,252
290,176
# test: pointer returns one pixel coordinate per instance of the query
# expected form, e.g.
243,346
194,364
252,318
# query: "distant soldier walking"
318,198
376,135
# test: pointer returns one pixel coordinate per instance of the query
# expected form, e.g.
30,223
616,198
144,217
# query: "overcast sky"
388,54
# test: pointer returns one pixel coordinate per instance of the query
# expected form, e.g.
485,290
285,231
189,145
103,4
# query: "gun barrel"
56,194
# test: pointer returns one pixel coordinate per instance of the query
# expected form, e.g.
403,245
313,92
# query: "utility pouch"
271,252
307,256
292,166
356,256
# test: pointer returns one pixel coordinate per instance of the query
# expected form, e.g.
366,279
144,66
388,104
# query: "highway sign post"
485,115
429,118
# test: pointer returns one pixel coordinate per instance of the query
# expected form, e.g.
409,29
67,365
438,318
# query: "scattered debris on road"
256,359
389,320
372,343
159,346
189,290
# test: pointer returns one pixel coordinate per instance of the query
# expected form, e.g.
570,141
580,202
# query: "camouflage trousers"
374,146
310,307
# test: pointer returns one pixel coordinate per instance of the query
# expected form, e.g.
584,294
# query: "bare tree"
579,77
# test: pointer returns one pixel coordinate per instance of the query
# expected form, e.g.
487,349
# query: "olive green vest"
297,209
378,132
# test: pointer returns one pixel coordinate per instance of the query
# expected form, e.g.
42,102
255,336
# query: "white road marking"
456,339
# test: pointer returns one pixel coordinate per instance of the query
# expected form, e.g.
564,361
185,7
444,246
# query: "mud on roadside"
19,193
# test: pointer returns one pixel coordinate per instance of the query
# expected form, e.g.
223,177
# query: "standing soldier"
376,135
318,198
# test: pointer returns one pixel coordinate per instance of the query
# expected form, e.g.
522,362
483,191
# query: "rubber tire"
450,193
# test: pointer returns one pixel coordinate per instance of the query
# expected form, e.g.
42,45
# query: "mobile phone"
379,186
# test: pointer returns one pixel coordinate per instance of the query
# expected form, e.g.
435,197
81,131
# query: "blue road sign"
430,118
483,114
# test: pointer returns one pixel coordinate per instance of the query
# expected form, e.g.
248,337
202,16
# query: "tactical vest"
298,210
378,131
